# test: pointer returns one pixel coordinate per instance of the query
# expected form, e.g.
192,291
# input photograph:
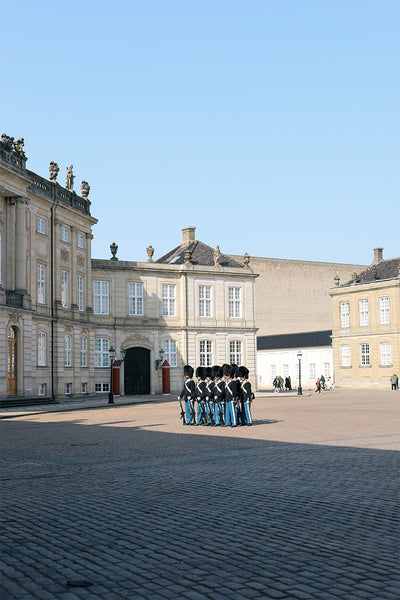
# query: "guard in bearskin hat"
201,395
188,394
230,396
219,395
246,396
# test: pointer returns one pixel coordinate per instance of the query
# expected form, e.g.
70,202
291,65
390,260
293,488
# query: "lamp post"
111,393
299,389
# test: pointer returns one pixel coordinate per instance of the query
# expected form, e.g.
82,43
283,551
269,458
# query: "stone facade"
366,326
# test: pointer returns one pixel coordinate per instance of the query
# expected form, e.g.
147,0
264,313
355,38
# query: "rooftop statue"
7,141
85,189
53,170
69,184
19,147
217,256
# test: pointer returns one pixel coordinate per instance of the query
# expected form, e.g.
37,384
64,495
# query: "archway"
12,362
137,371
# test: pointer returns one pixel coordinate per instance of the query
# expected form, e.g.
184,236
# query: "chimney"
378,255
188,236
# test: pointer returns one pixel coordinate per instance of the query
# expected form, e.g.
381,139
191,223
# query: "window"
384,312
64,288
101,354
364,312
68,389
101,299
273,371
170,352
41,226
235,352
64,234
83,388
81,293
41,284
80,241
136,299
234,308
205,353
346,356
168,300
205,307
386,354
313,370
285,370
344,315
41,349
101,387
83,351
327,369
68,351
42,389
364,348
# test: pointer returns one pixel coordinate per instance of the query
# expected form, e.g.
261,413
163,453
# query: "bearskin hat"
226,370
201,372
234,370
216,371
188,370
243,372
209,372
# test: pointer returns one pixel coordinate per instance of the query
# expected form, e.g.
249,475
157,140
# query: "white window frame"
64,234
65,289
101,387
363,307
135,292
386,354
101,297
285,369
234,302
273,371
168,300
41,226
365,358
345,355
68,389
84,345
42,389
80,240
84,389
235,352
384,310
42,349
206,353
101,353
312,370
170,352
81,293
41,283
327,369
68,351
344,315
205,300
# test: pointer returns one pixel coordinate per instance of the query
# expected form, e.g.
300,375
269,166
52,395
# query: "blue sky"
272,126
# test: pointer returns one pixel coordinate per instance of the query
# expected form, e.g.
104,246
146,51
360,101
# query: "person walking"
318,384
394,382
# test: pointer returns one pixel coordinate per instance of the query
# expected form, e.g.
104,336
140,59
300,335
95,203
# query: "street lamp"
111,393
299,389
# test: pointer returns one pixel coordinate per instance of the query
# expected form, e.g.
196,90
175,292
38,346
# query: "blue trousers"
230,414
246,413
188,411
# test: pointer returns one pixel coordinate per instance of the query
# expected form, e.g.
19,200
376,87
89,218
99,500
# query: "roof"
385,269
307,339
201,254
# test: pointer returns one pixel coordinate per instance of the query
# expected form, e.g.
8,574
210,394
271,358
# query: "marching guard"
188,394
219,396
201,394
246,396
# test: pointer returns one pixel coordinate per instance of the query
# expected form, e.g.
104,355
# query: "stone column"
20,244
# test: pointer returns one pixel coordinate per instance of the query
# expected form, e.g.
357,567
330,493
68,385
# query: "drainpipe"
52,301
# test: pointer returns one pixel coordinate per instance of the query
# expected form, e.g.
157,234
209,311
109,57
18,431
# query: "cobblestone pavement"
123,502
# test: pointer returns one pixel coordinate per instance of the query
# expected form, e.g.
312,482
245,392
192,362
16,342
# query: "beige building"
366,326
61,312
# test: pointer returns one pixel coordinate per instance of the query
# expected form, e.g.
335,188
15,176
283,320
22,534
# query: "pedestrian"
394,381
287,384
275,383
280,383
188,394
329,384
322,380
318,384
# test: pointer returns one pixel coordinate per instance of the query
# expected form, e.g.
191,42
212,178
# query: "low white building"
278,355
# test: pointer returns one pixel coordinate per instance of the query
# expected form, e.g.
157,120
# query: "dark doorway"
137,371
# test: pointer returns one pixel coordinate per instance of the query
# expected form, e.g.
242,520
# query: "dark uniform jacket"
189,390
201,390
246,391
219,390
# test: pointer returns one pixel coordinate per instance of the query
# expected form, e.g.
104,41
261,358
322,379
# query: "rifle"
183,416
192,412
212,422
203,411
